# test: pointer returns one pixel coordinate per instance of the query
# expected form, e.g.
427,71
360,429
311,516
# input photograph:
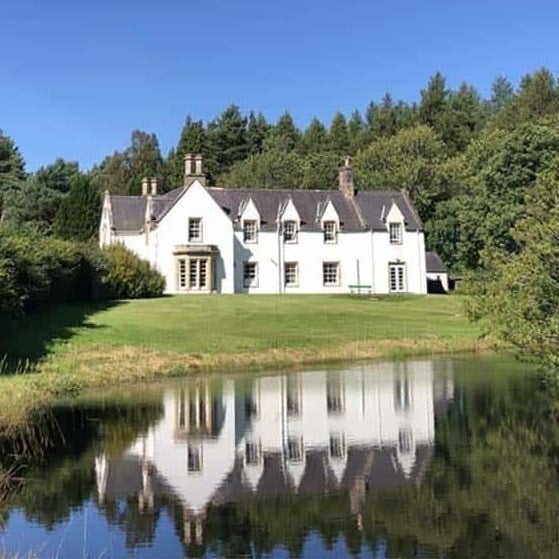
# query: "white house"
366,428
239,240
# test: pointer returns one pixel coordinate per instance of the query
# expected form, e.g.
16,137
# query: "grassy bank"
72,348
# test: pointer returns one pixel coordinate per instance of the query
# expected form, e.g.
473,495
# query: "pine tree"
433,101
284,136
502,93
193,140
12,170
79,213
315,137
227,140
257,130
338,137
59,175
356,132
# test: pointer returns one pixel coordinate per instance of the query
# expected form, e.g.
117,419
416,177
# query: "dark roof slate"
365,211
128,212
434,263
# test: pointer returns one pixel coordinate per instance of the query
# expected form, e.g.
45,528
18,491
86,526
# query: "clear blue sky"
76,77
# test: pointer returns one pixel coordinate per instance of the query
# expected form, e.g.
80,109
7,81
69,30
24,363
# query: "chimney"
346,179
154,186
199,160
144,186
193,169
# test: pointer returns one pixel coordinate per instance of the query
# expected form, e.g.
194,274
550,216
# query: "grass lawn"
76,347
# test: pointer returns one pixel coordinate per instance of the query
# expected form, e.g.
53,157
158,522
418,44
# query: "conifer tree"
284,136
12,170
257,130
338,137
315,137
79,212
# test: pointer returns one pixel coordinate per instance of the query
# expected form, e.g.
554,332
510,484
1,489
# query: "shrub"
129,277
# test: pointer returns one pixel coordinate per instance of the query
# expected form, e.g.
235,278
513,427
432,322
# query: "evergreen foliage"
129,277
79,213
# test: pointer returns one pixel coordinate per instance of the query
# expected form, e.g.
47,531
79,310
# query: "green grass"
238,324
75,347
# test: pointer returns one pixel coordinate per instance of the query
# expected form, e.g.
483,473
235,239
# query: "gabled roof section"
366,210
307,202
375,205
128,212
434,263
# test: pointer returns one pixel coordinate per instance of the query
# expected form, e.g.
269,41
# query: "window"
253,453
194,458
330,273
335,397
251,406
295,449
402,393
397,278
182,273
337,445
290,231
330,232
405,441
194,229
250,231
250,275
293,396
395,230
291,274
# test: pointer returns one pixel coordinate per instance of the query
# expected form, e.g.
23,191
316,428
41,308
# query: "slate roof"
365,211
434,263
377,465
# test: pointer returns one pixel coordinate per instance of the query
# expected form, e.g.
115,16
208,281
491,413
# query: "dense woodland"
483,172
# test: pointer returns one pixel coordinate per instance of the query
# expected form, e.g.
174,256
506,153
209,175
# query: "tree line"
482,171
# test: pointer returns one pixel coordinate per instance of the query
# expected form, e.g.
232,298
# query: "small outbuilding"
437,274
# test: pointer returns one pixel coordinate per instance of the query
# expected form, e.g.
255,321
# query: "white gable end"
394,215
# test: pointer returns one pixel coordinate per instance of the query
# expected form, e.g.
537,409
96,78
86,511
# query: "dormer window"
395,231
290,231
195,229
330,232
250,231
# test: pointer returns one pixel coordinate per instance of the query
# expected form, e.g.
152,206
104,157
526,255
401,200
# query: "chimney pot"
154,186
144,186
346,179
199,160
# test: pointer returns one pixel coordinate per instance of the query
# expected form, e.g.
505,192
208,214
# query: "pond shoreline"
79,370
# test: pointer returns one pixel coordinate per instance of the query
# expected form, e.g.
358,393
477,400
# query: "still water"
421,458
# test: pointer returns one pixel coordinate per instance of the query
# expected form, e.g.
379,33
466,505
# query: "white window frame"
295,449
194,458
397,281
251,238
295,275
294,234
249,281
182,274
330,230
335,283
395,232
337,447
192,238
253,452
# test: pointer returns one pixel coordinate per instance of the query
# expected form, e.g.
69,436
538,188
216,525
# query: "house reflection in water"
366,428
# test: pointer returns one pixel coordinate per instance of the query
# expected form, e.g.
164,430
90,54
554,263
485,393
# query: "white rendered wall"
371,417
217,229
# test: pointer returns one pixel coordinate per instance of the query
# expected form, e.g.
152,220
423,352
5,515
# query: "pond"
449,457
